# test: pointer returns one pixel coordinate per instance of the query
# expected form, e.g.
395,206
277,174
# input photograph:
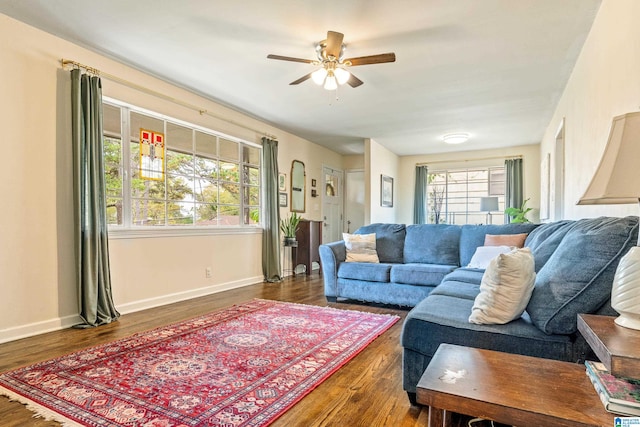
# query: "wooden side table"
509,388
309,237
617,347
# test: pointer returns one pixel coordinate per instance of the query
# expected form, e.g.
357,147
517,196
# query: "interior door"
557,193
353,200
331,205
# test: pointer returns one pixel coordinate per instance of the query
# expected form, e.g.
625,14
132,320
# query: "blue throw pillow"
578,276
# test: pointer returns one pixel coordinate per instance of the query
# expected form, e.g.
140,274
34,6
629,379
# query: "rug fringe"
39,411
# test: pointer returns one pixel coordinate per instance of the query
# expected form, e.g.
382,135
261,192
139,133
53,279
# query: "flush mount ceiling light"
456,138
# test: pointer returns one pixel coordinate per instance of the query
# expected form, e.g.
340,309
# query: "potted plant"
518,215
289,226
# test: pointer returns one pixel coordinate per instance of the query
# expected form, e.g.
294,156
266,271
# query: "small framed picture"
282,182
314,193
386,191
313,183
283,200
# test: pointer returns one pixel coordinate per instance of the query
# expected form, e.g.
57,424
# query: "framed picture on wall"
386,191
282,182
282,200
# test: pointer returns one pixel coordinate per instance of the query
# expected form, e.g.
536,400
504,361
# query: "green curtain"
90,213
513,193
271,220
420,196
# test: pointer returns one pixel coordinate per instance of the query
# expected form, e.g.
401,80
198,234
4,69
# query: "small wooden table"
617,347
508,388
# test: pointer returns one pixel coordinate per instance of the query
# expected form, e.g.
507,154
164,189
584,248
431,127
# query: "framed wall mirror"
298,189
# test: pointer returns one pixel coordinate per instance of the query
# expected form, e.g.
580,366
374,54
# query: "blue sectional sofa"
424,267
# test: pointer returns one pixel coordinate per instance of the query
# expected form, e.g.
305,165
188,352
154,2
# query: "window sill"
144,233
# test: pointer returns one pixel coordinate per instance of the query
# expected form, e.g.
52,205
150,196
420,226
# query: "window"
209,179
454,195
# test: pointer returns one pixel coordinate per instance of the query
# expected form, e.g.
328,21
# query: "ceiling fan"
333,71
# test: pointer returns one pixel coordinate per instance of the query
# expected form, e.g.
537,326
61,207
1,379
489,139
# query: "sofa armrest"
331,255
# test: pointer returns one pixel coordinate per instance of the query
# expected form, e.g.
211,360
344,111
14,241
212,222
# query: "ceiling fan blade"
373,59
288,58
354,81
301,79
334,43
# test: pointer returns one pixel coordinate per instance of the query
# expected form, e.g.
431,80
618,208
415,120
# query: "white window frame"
128,230
467,212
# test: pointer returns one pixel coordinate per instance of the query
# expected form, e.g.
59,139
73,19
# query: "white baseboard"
37,328
182,296
55,324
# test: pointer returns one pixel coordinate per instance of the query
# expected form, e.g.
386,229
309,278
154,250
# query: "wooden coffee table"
508,388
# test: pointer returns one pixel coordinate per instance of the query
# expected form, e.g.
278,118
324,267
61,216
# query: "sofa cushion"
577,277
465,275
360,247
432,244
389,240
544,240
505,289
444,319
472,236
383,292
364,271
458,289
420,274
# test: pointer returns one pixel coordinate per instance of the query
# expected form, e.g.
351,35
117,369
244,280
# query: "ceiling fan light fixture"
342,75
330,83
318,76
456,138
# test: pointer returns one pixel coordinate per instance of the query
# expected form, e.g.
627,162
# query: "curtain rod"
95,71
519,156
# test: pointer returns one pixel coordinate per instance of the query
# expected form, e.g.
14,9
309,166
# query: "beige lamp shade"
488,204
617,179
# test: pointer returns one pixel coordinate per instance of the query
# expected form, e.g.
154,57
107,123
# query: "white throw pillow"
506,288
484,254
360,247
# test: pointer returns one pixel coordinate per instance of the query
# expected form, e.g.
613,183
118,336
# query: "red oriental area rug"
241,366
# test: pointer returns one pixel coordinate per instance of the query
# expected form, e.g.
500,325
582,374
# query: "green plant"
519,214
289,225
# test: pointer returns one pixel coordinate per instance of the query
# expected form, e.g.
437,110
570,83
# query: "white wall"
37,273
604,83
379,161
466,159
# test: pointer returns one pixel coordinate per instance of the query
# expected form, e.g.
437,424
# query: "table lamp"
617,181
489,204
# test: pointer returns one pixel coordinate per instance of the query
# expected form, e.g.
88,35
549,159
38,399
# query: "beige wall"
465,159
604,83
354,162
36,254
379,161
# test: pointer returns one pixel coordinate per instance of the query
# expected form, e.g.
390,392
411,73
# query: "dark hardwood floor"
367,391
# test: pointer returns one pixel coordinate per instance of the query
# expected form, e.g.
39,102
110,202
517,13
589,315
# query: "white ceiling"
492,68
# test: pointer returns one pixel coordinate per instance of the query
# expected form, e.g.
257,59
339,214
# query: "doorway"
557,194
331,204
353,200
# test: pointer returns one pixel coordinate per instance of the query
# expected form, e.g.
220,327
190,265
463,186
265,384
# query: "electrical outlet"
207,272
